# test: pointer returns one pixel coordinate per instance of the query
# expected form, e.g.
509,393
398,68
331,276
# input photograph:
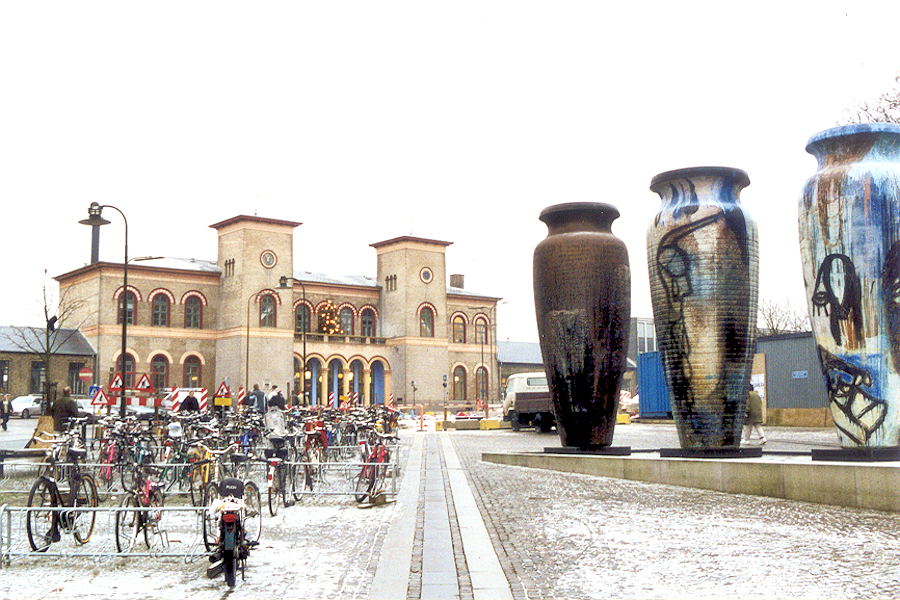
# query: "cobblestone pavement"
573,536
556,535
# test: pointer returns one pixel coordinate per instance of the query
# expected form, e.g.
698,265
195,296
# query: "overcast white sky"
458,121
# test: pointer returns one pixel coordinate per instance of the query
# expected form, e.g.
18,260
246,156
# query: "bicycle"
376,456
130,523
211,492
43,527
279,474
237,525
315,448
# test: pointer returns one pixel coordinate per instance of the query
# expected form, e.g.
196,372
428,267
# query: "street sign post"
86,374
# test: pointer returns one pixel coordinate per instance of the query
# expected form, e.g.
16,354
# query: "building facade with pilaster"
252,317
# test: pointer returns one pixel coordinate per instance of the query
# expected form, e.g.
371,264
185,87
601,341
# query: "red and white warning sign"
100,398
116,384
144,385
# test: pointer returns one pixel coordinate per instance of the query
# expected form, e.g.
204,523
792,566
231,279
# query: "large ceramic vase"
703,256
582,298
850,246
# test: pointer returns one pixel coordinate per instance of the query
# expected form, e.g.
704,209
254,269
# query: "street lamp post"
283,285
95,219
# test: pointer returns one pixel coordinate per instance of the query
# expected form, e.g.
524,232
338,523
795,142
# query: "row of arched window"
461,387
362,322
459,325
162,303
162,374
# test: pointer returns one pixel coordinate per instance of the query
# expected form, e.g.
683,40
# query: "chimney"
458,281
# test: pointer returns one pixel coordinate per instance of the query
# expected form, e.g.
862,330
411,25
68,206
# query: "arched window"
267,311
160,311
459,330
193,313
481,335
127,307
301,324
367,319
459,384
426,322
159,371
191,372
347,320
481,384
127,370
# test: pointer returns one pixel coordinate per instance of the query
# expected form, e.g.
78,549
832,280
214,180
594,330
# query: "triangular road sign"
116,384
100,399
144,384
223,391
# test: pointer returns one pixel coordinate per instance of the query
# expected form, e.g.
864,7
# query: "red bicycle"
376,457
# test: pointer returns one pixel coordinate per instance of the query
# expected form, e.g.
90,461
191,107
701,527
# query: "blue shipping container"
653,401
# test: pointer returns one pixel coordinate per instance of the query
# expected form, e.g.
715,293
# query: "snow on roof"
357,280
184,264
30,339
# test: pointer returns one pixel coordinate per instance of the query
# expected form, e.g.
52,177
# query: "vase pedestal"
718,452
862,454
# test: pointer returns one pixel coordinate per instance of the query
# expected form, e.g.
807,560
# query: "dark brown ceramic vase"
582,299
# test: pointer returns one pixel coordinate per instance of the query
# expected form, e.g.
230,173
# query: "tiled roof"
528,353
29,339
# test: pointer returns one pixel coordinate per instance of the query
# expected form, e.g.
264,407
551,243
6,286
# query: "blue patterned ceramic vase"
703,255
850,245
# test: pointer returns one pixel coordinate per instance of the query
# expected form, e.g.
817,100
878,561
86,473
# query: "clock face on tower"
268,259
426,275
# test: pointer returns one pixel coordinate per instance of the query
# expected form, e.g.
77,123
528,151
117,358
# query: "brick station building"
251,316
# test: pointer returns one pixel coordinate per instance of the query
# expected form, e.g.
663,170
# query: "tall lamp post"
95,219
283,285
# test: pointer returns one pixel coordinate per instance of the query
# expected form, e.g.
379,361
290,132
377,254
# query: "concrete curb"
867,486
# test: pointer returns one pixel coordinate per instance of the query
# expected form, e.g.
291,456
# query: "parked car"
27,406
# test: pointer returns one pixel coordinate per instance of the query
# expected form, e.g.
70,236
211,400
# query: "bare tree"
47,341
886,109
776,318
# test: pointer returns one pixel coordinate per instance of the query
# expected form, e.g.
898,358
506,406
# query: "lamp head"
95,216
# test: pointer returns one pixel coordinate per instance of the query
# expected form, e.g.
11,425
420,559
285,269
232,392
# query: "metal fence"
179,533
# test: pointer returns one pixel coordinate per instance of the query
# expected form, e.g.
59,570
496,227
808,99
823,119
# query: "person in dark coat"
63,409
754,417
189,404
5,409
259,398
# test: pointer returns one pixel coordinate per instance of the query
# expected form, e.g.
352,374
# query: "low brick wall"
799,417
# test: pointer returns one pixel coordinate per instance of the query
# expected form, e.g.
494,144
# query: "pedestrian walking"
259,398
5,409
754,417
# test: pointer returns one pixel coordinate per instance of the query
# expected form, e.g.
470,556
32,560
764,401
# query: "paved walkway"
437,547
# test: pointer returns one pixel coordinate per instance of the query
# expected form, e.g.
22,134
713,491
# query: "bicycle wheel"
194,473
276,491
151,519
128,524
364,482
229,566
210,520
253,520
129,477
85,497
310,469
42,526
296,482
